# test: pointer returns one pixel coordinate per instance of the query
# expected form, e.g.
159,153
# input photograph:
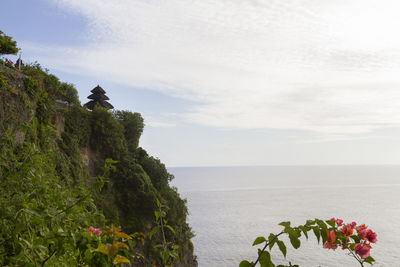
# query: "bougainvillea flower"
362,234
330,245
371,236
97,231
331,237
339,222
362,249
346,230
361,227
353,225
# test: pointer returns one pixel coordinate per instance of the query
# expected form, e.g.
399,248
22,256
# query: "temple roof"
98,97
91,104
98,90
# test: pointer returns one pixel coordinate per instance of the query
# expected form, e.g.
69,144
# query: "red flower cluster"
366,236
329,244
95,231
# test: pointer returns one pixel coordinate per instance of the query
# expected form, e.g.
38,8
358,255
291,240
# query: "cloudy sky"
271,82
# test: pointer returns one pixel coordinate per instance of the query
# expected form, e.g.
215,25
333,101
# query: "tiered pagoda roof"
98,97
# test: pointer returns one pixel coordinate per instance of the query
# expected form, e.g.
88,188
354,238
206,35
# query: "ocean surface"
230,206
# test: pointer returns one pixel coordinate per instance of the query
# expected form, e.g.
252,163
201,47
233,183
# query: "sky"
228,83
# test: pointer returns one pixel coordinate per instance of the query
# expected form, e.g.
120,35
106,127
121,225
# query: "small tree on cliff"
7,45
98,97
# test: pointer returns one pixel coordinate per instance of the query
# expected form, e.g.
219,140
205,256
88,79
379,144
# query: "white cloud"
330,67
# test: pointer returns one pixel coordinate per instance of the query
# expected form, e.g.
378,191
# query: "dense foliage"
51,163
7,45
40,212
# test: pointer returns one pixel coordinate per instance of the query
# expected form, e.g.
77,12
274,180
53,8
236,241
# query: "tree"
7,45
133,127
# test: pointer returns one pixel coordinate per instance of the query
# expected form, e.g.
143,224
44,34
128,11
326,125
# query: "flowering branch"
334,233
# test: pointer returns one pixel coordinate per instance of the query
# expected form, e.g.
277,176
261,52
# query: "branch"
355,256
51,255
266,245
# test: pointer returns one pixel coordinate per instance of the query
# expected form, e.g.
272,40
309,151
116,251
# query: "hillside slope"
52,150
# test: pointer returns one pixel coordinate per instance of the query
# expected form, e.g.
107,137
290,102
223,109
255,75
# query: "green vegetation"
355,240
57,179
7,45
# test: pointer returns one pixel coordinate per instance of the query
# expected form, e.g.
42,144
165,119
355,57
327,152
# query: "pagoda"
19,64
98,97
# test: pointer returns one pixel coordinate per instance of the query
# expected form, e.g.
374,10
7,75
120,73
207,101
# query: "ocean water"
230,206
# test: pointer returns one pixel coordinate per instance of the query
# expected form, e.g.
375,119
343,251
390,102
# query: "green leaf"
369,260
356,238
259,240
265,259
321,224
88,255
304,230
331,223
295,241
272,240
245,264
120,259
317,233
292,231
324,236
153,231
170,228
285,224
310,222
282,247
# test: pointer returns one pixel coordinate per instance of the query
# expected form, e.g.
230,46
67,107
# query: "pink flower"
371,236
328,245
331,237
362,234
362,249
346,230
97,231
339,222
361,227
353,225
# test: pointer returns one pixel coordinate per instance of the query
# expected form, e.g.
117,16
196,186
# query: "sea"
230,206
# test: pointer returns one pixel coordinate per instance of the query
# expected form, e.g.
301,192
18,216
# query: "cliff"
52,154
